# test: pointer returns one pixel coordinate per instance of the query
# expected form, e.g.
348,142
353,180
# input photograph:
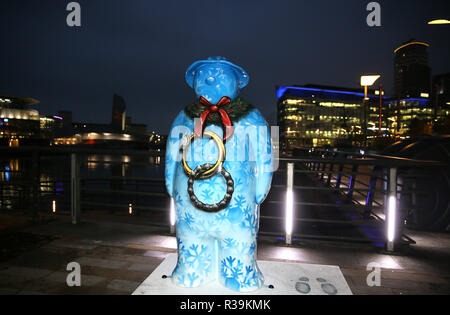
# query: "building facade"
412,73
18,122
321,116
406,114
441,91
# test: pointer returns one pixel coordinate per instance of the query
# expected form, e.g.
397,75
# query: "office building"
314,115
412,73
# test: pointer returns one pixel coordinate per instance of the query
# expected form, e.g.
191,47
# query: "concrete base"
286,278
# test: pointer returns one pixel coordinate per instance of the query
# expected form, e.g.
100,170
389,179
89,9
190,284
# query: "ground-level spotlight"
172,216
391,210
289,203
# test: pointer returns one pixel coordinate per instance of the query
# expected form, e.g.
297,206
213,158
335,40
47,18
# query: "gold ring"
220,160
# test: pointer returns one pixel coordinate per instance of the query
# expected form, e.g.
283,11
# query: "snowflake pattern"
233,230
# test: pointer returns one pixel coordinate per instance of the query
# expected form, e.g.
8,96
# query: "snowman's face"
214,81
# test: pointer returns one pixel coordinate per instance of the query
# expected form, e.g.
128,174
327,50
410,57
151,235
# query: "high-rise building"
412,73
119,113
314,115
441,92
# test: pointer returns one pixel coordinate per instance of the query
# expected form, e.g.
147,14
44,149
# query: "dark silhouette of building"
120,133
441,91
411,71
119,113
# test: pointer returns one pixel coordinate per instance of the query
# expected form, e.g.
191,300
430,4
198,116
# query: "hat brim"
241,74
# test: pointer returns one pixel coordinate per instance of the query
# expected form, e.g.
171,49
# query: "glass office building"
404,111
320,116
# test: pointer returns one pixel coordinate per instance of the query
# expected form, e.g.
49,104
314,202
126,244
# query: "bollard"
391,210
75,188
36,187
289,202
172,216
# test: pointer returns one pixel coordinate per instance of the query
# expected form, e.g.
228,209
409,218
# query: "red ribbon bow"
226,121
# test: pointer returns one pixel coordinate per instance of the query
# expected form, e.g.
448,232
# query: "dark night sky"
140,49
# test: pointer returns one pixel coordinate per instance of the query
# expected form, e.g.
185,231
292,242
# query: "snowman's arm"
173,155
264,158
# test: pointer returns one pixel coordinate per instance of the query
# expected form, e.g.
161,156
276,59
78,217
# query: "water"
101,173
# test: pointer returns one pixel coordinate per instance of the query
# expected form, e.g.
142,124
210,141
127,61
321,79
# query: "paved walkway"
115,257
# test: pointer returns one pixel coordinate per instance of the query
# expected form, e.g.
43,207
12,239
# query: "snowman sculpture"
218,172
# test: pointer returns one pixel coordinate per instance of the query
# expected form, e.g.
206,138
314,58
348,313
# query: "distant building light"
58,117
424,95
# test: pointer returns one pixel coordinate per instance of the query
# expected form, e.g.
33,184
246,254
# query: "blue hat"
241,74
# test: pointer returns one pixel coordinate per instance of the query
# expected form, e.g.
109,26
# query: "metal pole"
365,117
391,211
381,105
289,202
75,189
36,186
351,184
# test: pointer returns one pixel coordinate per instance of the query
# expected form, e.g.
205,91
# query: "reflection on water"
8,167
98,172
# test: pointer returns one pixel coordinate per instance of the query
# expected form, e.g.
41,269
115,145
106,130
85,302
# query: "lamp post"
439,22
366,81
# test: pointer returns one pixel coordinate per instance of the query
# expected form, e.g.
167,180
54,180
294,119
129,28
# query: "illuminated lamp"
172,216
289,203
439,22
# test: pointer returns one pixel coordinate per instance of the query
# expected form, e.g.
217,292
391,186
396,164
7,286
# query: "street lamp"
439,22
366,81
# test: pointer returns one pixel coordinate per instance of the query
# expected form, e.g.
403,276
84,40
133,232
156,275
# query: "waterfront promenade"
117,253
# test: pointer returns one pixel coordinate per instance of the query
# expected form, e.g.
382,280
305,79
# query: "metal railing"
335,181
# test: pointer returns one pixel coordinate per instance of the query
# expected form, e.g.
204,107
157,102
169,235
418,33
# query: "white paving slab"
287,279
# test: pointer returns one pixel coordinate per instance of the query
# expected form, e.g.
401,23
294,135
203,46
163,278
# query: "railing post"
391,210
75,188
289,202
370,195
36,185
351,184
322,175
330,173
339,175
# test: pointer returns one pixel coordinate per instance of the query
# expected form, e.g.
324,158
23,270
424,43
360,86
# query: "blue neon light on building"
305,91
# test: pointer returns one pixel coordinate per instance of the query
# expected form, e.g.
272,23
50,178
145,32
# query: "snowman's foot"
303,286
328,288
